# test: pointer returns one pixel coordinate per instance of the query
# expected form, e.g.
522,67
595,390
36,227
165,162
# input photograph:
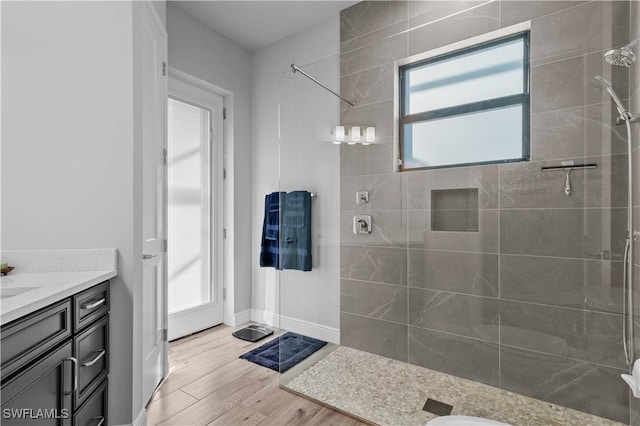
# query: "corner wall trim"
317,331
240,318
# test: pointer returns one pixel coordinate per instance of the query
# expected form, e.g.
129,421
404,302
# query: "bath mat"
283,352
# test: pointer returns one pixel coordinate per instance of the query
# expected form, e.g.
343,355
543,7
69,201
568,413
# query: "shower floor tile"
389,392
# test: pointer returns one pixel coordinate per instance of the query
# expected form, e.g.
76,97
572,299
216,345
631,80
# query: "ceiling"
254,24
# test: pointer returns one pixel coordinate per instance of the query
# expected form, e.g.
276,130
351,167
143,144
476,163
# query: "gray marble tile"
567,83
460,314
368,16
575,233
571,283
579,385
420,184
582,131
636,221
372,335
485,240
381,301
427,12
579,30
378,115
374,37
525,185
355,160
468,273
389,228
349,186
636,293
377,264
457,27
634,411
513,12
386,192
571,333
383,52
367,87
359,160
634,19
382,157
461,356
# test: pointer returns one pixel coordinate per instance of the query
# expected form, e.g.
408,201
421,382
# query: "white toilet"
464,421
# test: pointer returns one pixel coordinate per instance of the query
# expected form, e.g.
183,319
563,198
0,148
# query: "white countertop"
44,288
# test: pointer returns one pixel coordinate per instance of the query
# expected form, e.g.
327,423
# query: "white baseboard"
317,331
240,318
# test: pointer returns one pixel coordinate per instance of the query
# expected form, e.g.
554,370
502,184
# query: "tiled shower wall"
531,302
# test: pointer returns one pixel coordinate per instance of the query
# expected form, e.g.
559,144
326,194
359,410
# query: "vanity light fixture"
339,135
356,134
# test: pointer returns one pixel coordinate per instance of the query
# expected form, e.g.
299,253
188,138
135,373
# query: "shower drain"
436,407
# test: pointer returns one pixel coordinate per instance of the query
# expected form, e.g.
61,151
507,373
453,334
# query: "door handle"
91,305
75,375
148,256
100,352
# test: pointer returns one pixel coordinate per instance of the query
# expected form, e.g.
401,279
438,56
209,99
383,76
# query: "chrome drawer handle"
75,374
101,418
148,256
94,304
100,352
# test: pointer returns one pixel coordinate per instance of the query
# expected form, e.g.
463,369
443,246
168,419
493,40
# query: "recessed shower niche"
454,209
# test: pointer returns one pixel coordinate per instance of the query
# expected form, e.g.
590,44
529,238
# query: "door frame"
186,88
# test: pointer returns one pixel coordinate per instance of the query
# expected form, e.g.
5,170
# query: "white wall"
201,52
67,149
309,302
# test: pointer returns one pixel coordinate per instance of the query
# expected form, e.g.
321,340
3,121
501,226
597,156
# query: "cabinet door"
41,394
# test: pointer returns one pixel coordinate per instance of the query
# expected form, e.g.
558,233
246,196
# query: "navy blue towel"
286,231
295,247
269,248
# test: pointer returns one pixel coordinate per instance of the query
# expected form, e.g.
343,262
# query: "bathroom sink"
6,292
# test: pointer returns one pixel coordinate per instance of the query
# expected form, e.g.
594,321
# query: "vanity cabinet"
55,363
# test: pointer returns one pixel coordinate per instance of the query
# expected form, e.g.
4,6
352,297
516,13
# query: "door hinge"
224,173
210,135
165,245
164,67
224,113
164,156
224,293
224,233
164,335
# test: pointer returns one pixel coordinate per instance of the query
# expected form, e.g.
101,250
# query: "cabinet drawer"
91,304
27,338
94,411
91,349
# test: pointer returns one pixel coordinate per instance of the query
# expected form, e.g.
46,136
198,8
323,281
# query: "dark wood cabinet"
55,363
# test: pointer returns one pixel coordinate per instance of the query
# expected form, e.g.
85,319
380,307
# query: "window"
469,106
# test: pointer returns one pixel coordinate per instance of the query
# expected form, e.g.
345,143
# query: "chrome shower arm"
295,69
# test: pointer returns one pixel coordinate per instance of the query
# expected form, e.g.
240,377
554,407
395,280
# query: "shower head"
604,84
622,57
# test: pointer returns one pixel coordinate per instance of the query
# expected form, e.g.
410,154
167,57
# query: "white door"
152,39
194,208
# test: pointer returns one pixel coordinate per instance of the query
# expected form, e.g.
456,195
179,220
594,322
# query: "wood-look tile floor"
209,385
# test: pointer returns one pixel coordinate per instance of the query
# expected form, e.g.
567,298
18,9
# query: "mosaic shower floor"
390,392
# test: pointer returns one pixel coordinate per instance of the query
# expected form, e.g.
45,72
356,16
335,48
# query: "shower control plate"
362,225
